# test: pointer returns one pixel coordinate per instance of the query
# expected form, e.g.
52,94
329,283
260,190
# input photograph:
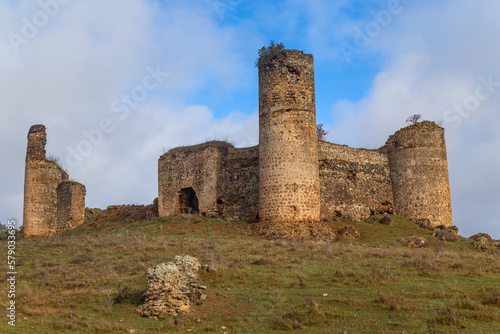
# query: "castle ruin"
291,176
52,203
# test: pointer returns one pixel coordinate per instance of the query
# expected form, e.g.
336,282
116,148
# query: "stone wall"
41,199
288,157
354,182
71,204
292,178
224,179
194,167
239,189
419,173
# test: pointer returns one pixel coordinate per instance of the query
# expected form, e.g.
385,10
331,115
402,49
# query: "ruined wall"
288,156
291,177
41,181
419,173
71,204
40,198
239,186
197,167
225,180
354,182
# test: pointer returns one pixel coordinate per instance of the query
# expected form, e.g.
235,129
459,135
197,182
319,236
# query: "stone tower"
419,173
51,203
288,151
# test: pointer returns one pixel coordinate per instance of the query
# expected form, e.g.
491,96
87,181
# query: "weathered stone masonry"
354,182
214,179
52,203
419,173
293,177
288,153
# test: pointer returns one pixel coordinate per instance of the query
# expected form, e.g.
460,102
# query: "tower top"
274,55
421,134
37,128
37,138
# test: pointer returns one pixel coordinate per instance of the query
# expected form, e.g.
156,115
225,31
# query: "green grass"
66,284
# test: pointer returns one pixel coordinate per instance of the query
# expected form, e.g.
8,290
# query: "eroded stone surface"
413,242
171,289
292,177
52,203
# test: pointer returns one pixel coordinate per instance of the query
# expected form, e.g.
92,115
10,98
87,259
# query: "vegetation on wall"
413,119
321,132
270,53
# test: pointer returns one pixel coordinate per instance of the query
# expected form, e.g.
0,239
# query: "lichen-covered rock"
447,235
484,244
350,232
188,265
478,236
413,242
449,229
386,220
425,223
171,288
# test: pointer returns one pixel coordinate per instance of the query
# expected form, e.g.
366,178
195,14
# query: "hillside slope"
69,283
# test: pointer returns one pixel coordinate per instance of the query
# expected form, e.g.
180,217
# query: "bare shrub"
413,119
449,316
390,301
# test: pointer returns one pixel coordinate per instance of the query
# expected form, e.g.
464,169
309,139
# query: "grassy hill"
69,283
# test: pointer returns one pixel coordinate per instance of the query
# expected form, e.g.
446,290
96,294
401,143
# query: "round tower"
288,149
419,173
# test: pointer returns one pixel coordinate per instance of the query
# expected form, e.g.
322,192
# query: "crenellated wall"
41,216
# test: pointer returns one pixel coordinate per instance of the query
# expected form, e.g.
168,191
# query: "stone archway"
187,201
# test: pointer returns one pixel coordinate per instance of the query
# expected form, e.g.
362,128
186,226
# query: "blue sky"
72,65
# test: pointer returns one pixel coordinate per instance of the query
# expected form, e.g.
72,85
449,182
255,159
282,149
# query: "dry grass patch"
71,283
449,316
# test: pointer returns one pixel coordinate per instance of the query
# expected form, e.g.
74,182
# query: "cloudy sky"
118,82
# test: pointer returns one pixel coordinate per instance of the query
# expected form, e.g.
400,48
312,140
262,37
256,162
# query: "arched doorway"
187,201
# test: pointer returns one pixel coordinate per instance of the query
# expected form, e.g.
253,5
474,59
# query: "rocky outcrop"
171,289
413,242
484,242
479,236
386,220
447,233
425,223
349,232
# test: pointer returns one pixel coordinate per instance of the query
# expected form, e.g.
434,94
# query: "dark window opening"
188,201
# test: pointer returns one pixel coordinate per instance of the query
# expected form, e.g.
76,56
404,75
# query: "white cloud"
438,52
91,53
